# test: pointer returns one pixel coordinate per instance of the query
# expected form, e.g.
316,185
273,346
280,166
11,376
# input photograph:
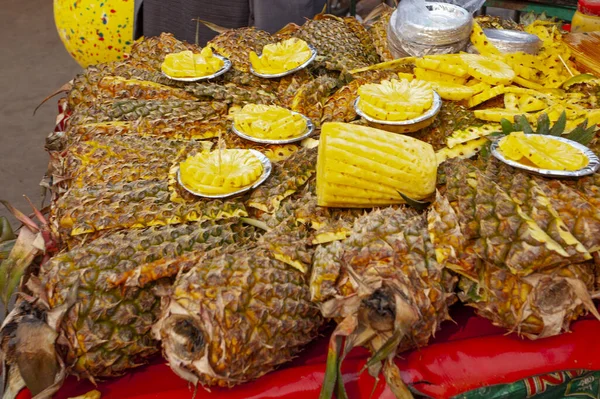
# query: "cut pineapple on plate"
471,133
488,69
186,64
395,100
359,166
461,151
277,58
269,122
220,171
434,76
541,151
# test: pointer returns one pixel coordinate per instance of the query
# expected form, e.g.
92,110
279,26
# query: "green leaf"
543,125
559,126
582,134
418,205
523,124
507,126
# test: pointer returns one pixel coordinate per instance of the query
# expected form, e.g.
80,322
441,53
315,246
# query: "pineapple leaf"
582,134
559,126
543,125
523,124
6,232
507,126
388,348
418,205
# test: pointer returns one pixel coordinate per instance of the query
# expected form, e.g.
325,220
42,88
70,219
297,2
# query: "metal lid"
511,41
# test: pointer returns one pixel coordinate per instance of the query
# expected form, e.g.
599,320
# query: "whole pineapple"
384,288
236,316
98,302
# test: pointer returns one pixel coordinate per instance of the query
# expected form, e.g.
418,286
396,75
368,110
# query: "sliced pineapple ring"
281,57
488,69
186,64
269,122
395,100
220,172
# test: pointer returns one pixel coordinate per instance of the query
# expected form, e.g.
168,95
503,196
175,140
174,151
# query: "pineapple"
395,100
452,117
106,295
264,318
280,57
488,70
269,122
435,76
378,33
220,171
236,44
481,42
151,52
310,99
452,91
362,167
116,87
139,204
385,289
449,64
186,64
471,133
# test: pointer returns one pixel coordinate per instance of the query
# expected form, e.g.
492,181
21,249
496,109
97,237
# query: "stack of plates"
445,30
511,41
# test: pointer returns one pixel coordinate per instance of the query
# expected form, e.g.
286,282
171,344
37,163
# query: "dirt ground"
33,64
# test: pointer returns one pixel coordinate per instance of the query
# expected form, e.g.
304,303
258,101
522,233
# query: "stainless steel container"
511,41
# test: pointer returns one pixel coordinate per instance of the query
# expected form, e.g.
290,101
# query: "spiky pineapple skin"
234,317
112,290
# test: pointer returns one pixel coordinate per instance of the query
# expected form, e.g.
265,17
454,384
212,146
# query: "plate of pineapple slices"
280,59
186,66
223,173
545,155
270,124
398,106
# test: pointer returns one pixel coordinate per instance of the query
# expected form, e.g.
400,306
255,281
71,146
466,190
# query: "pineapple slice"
481,42
478,86
434,76
450,65
489,70
269,122
360,166
220,172
471,133
280,57
527,83
543,152
406,76
529,103
497,114
395,100
461,151
511,101
452,91
486,95
186,64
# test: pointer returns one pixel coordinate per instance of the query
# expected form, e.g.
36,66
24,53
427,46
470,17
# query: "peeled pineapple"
186,64
269,122
395,100
541,151
220,172
359,166
450,64
281,57
487,69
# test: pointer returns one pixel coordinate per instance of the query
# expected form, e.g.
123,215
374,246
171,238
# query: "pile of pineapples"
232,288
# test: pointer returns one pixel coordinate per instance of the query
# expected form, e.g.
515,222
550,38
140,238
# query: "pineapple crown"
581,134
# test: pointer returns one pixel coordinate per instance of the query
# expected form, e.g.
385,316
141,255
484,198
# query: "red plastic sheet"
466,355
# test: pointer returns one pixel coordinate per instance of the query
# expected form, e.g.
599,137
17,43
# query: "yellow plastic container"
585,23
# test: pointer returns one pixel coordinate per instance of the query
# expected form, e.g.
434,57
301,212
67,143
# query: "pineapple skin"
111,290
236,44
234,317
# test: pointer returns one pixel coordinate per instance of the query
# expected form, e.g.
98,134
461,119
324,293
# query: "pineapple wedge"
497,114
448,64
481,42
471,133
486,95
452,91
461,151
187,64
434,76
269,122
395,100
280,57
361,167
489,70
